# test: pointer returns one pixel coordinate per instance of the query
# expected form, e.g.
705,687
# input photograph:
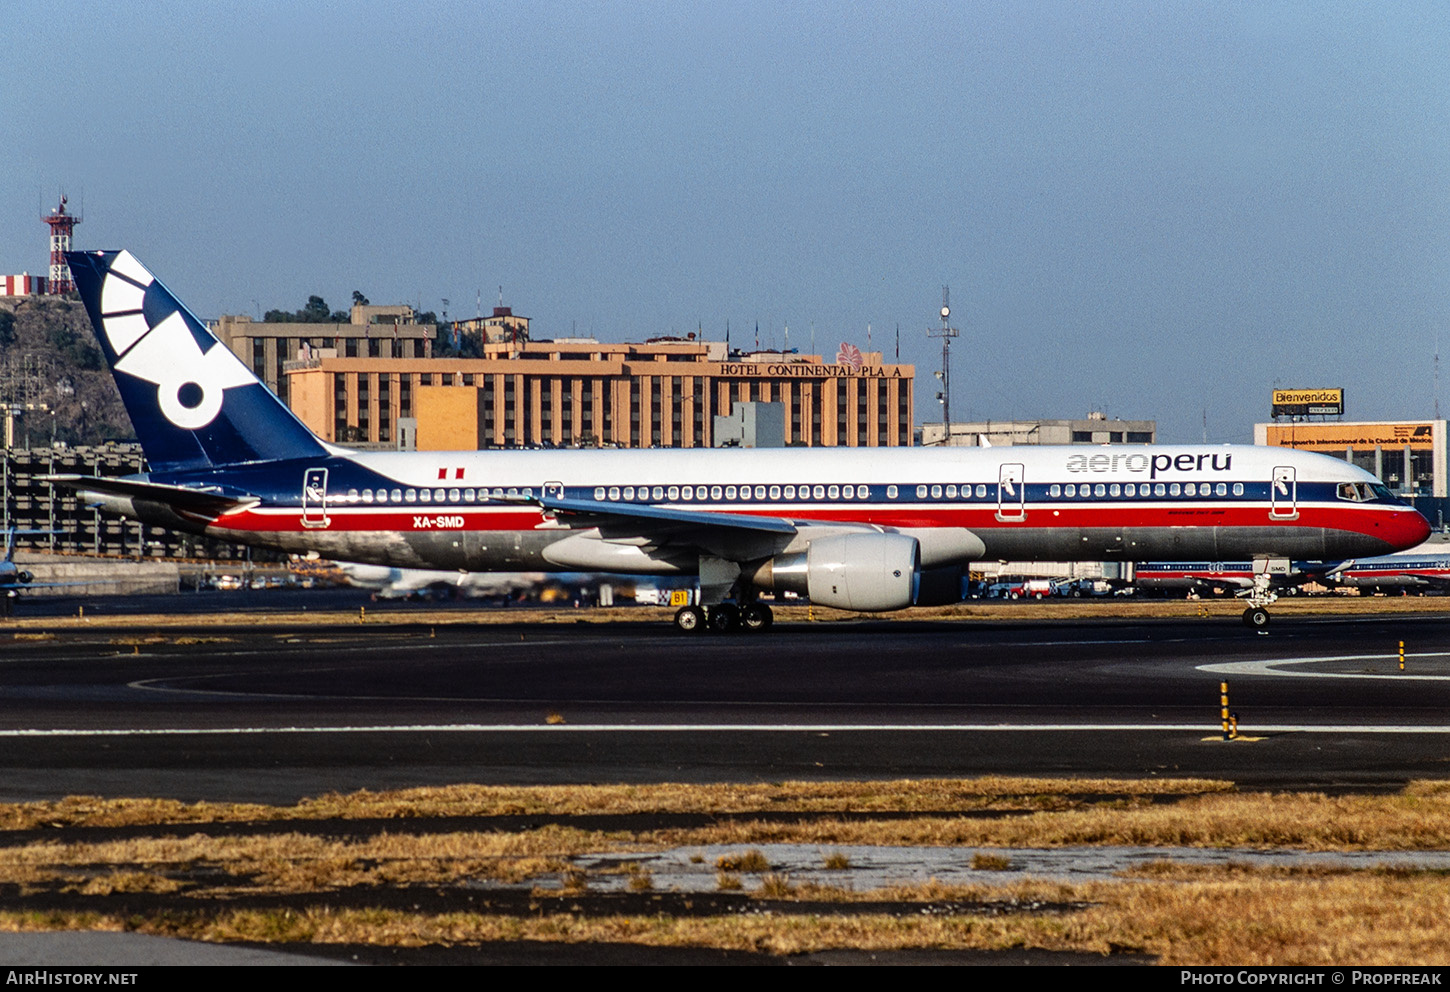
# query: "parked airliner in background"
14,579
1418,569
1423,567
849,528
403,583
1216,576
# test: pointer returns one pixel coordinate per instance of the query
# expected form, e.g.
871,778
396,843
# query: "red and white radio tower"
62,225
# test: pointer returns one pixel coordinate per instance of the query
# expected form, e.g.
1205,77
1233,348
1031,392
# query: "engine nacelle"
866,571
24,577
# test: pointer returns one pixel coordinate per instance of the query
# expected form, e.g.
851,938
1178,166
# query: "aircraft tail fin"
193,403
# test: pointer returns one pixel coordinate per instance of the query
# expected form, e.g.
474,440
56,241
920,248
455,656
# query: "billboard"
1336,437
1308,402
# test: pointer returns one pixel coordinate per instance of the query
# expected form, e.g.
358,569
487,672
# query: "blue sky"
1156,209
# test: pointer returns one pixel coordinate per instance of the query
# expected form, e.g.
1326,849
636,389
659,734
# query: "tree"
358,299
7,327
315,312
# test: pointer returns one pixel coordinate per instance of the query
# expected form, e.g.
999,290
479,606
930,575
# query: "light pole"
946,334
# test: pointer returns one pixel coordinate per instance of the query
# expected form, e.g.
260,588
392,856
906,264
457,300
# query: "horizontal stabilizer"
210,502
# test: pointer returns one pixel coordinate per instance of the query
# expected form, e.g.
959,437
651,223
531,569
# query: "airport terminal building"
1096,428
1409,456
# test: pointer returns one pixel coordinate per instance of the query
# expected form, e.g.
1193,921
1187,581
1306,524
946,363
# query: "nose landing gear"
1258,597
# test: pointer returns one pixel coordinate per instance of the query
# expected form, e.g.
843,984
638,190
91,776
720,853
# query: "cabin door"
1011,493
1283,494
314,498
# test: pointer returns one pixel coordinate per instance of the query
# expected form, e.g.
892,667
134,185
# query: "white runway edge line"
775,728
1272,667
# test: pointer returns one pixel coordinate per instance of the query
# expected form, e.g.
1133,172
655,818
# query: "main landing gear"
724,618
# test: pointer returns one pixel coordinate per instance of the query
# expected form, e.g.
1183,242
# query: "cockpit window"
1359,492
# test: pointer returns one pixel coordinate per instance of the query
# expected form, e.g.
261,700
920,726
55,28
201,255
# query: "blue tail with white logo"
193,403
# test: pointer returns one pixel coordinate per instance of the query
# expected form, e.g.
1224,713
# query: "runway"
261,712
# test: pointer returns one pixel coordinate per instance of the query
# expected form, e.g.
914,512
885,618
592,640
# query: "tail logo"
153,342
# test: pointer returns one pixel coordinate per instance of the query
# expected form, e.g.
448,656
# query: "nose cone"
1406,529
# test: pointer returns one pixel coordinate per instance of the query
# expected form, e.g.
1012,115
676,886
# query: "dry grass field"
413,869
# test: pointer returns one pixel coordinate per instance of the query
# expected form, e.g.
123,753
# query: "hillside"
48,355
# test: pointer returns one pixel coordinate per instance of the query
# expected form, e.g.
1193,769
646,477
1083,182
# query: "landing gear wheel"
690,619
756,616
722,619
1257,617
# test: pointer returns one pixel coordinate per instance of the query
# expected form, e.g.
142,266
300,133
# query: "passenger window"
921,492
1160,490
1130,490
729,492
658,492
863,492
397,495
367,495
1071,489
599,492
951,492
1054,490
1115,490
1238,488
717,493
890,492
614,493
454,495
1100,490
790,492
760,492
352,496
1174,489
674,493
688,492
629,492
1221,489
819,492
775,492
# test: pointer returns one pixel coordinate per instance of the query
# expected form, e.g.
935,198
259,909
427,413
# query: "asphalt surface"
253,711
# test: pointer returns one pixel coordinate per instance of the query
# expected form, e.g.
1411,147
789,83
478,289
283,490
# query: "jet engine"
865,571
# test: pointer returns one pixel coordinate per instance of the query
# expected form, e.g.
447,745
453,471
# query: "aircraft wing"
738,537
205,504
23,586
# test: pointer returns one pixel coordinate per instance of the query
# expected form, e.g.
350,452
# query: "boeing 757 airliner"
849,528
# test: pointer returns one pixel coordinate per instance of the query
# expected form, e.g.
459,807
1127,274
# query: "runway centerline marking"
1271,667
623,728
